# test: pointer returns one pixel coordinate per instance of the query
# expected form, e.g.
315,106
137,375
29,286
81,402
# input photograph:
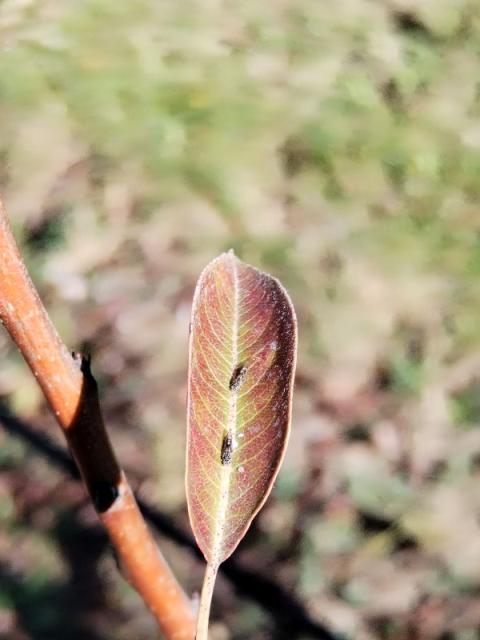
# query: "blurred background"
335,145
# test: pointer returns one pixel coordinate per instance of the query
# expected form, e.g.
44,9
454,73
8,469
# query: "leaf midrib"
227,470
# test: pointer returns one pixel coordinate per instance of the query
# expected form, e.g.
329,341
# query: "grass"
338,148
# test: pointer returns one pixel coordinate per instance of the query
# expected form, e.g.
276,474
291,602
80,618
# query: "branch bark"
71,391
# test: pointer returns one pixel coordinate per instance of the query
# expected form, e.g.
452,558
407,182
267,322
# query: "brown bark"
71,391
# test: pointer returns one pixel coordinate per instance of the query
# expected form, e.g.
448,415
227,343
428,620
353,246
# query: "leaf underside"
241,367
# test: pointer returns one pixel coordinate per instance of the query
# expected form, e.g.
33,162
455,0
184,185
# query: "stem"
205,602
71,391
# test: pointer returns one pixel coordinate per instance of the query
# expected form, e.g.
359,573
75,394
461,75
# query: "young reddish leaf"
241,366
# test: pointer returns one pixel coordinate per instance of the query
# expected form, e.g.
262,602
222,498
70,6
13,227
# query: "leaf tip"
227,258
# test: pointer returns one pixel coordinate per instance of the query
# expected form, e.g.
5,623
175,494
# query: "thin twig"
287,612
71,391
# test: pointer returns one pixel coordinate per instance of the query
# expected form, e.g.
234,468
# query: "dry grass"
337,147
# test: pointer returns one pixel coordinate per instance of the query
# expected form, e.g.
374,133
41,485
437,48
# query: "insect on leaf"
241,366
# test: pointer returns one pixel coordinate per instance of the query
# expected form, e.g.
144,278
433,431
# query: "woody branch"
71,391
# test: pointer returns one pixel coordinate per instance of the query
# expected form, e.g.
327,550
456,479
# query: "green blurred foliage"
337,147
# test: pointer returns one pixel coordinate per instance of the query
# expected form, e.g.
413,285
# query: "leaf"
241,366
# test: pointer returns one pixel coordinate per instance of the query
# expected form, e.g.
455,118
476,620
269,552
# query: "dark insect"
226,452
238,376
